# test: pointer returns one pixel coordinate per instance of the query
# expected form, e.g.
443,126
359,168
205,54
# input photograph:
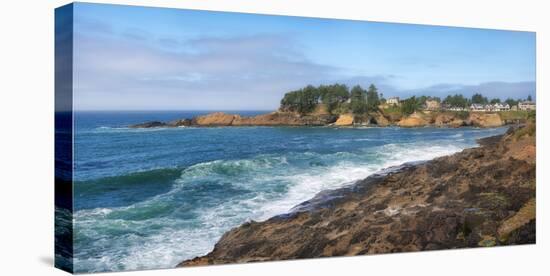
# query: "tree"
479,99
372,98
529,98
456,100
382,99
495,100
302,101
410,105
358,102
333,95
511,102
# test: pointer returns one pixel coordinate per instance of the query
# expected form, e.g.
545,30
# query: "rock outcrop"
479,197
150,124
284,119
484,119
414,120
448,120
344,120
380,120
320,117
180,123
215,119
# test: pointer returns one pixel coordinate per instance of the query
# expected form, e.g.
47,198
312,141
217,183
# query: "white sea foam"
150,234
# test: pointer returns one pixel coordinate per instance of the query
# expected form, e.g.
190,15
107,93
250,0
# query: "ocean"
151,198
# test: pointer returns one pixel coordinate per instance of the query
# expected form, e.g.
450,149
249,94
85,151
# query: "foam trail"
209,198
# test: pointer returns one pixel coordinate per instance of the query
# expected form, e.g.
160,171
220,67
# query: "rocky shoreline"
483,196
280,118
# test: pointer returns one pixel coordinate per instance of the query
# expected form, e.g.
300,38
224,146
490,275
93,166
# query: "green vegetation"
410,105
456,100
511,102
516,115
461,114
372,98
335,97
422,99
358,103
339,99
302,101
479,99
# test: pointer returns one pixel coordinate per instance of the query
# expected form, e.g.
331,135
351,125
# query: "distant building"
490,107
432,105
477,107
456,108
527,105
449,107
501,107
393,101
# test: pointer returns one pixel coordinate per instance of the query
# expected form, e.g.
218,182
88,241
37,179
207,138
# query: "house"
393,101
501,107
527,105
451,107
456,108
478,107
432,105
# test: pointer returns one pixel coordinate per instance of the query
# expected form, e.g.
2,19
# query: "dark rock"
149,125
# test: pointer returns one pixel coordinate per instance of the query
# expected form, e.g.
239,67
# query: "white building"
527,105
393,101
477,107
432,105
490,107
501,107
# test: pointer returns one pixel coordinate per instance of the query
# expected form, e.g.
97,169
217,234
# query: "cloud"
207,72
134,69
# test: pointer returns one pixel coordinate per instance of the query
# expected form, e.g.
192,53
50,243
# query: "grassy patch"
515,115
529,130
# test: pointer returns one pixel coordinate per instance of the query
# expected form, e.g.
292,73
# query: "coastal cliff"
479,197
280,118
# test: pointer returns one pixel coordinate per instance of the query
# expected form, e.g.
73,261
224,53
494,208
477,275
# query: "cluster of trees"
338,98
335,97
363,101
460,101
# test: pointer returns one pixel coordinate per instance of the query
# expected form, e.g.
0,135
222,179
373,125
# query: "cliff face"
344,120
414,120
479,197
485,120
322,118
215,119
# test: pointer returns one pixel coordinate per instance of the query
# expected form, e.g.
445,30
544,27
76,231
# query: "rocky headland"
480,197
380,119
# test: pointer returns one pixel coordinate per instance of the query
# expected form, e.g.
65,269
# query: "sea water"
151,198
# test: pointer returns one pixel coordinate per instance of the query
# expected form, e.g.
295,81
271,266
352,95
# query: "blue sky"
139,58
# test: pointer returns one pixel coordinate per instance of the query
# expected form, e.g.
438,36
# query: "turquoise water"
150,198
